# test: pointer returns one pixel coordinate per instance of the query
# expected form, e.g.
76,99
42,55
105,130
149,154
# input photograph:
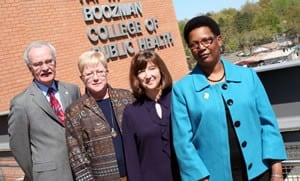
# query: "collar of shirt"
44,88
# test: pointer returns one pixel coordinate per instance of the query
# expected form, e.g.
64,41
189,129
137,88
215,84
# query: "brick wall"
62,24
9,170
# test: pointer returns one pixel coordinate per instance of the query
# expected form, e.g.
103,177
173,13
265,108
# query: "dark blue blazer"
147,141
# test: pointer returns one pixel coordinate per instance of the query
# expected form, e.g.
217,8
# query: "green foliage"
254,24
241,21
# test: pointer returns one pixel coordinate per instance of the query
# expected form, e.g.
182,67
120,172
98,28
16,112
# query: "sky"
186,9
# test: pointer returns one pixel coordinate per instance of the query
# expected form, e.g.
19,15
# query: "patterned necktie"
56,106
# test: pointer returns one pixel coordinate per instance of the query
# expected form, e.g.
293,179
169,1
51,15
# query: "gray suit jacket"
37,139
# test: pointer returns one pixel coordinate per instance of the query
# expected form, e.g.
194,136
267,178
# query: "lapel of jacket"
114,99
232,73
91,104
41,100
65,97
199,80
165,102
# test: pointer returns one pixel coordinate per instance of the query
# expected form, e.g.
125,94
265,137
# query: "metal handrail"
291,170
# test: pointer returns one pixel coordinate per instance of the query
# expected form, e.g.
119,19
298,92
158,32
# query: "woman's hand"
276,174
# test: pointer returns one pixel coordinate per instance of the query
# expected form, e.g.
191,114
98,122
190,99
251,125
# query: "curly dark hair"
200,21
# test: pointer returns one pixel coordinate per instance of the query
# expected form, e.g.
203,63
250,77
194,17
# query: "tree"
287,12
243,21
189,58
254,24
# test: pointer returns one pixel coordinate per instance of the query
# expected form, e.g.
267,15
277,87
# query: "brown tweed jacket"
88,134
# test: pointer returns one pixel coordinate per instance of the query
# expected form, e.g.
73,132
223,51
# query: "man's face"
42,65
205,46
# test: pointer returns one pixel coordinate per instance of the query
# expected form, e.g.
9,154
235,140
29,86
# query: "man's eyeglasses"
206,42
98,73
38,65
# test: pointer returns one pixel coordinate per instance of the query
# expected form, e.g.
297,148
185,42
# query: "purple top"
147,142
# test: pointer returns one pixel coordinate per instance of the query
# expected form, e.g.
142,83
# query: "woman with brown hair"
146,123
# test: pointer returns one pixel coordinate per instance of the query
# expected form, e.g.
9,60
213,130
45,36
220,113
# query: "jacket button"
250,166
229,102
224,86
237,124
244,144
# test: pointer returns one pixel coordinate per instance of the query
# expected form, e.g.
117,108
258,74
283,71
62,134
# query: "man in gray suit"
36,134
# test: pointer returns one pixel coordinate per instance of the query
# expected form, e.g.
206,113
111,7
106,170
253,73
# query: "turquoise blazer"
200,130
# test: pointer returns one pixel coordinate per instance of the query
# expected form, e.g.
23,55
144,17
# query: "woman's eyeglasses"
206,42
98,73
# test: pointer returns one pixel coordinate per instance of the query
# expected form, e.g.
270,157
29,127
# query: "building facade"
119,28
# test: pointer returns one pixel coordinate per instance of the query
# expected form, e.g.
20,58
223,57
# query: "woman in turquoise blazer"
223,129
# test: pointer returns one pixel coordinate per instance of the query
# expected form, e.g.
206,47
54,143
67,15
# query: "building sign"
123,33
